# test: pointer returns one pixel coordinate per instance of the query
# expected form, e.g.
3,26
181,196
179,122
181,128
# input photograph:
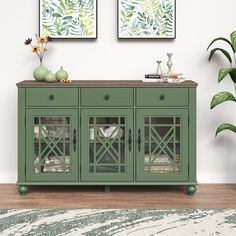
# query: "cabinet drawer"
52,97
162,97
107,97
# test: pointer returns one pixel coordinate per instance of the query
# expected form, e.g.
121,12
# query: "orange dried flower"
35,48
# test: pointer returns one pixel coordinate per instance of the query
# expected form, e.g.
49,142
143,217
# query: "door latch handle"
74,140
130,140
139,140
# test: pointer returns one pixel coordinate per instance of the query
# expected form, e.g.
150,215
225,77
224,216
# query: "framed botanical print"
146,19
68,19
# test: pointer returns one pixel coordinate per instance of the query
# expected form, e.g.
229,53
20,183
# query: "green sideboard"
106,133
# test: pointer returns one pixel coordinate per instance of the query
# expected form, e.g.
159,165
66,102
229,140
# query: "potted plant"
223,73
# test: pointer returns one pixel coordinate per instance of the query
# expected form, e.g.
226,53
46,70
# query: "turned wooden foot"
191,189
22,189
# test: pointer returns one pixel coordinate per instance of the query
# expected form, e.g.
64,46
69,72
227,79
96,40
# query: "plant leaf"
222,39
223,72
56,15
150,7
233,40
221,50
222,97
225,126
233,75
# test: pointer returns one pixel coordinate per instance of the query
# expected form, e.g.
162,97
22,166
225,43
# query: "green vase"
61,74
50,77
40,72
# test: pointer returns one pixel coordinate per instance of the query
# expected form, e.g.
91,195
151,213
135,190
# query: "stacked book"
173,78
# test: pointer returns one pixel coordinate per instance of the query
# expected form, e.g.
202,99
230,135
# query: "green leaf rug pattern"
117,222
147,18
68,18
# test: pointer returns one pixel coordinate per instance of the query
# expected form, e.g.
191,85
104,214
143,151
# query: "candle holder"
169,63
159,70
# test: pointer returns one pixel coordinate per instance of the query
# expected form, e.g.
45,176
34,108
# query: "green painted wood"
51,145
192,135
162,97
119,183
161,147
131,102
52,97
107,97
23,190
107,169
191,189
21,135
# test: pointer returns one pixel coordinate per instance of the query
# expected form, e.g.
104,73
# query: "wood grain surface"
207,196
104,83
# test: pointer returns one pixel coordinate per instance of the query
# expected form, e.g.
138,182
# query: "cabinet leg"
22,189
107,188
191,189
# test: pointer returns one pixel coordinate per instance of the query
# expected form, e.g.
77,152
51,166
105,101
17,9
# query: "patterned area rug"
176,222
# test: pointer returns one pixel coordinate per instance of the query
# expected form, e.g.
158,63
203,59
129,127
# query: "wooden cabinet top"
105,83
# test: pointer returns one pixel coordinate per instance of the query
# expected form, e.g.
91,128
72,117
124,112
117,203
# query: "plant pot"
40,72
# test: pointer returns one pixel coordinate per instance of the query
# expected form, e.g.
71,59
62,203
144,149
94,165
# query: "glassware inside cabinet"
162,152
52,145
107,144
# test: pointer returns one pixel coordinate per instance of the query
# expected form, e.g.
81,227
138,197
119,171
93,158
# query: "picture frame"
141,19
64,19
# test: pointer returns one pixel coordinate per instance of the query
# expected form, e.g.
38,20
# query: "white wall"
197,23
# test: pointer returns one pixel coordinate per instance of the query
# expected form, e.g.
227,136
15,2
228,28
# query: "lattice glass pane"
54,120
106,144
122,120
91,120
177,120
107,169
122,169
91,169
147,120
161,120
162,144
36,120
52,145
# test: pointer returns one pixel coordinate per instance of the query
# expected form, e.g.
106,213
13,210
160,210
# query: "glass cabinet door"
52,137
107,145
162,145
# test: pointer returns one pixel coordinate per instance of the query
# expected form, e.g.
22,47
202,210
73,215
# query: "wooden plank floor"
207,196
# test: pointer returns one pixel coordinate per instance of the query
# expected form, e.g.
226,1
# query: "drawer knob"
107,97
162,97
51,97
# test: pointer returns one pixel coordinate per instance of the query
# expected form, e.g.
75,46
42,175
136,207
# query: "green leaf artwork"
146,19
68,18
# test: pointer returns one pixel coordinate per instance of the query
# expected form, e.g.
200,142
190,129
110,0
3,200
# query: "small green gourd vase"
50,77
61,75
40,72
